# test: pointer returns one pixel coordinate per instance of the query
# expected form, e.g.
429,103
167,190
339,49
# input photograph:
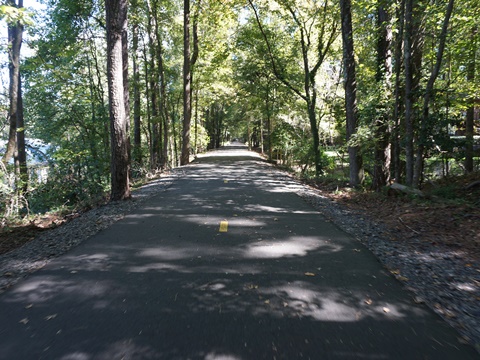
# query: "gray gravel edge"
19,263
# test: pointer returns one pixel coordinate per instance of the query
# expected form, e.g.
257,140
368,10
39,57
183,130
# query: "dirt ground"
452,219
449,214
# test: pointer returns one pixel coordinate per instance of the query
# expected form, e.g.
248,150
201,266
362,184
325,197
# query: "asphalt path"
228,263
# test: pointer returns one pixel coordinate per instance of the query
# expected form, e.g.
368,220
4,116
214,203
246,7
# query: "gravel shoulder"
445,279
52,243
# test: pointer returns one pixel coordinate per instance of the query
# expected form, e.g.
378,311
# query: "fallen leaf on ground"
50,317
418,300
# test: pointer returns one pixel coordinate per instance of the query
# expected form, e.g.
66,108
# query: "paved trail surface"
278,282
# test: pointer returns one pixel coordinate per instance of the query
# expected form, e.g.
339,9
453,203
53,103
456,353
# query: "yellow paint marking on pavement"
223,226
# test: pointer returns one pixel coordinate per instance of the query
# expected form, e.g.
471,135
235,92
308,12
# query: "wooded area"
364,93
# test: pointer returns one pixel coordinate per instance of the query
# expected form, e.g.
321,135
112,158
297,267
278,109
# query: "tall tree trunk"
155,112
116,21
21,150
413,52
137,137
164,113
397,111
356,170
469,121
418,170
187,84
15,37
409,97
381,170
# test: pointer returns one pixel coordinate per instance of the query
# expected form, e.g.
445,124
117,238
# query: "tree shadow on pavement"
165,283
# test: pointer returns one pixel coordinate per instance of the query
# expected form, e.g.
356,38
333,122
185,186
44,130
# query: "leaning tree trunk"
356,172
116,16
418,169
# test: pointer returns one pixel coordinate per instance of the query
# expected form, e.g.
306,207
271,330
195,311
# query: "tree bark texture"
187,85
381,169
15,37
116,16
413,53
356,172
398,109
137,138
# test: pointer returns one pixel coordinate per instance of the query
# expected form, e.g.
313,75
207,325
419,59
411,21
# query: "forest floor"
448,215
452,219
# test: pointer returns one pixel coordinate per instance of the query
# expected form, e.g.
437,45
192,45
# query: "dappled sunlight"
302,301
93,262
237,151
339,305
221,356
77,355
272,209
125,349
297,299
44,289
156,267
170,252
215,221
295,246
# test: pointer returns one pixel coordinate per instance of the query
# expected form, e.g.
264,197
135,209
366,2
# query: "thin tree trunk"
164,113
396,149
187,83
381,170
116,16
21,153
137,137
309,93
409,97
356,171
469,121
155,121
418,170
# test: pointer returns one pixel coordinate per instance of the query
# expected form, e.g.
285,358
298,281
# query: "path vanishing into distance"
228,263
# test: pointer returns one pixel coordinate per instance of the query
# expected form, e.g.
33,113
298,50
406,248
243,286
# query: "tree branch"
278,75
